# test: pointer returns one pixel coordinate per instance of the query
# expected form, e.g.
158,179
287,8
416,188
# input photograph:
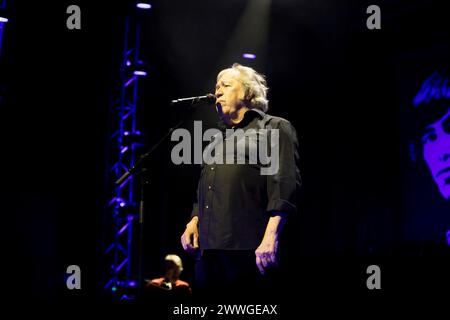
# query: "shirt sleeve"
194,211
283,186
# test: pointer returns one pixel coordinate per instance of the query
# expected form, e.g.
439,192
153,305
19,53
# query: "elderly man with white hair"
237,220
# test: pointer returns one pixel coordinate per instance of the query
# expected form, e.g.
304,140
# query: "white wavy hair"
255,85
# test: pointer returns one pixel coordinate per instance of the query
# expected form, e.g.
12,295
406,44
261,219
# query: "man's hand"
266,253
189,239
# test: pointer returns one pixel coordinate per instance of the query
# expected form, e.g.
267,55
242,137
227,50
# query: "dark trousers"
231,275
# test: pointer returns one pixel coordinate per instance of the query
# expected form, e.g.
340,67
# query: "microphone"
208,99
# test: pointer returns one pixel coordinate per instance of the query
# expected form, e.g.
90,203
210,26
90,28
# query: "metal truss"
121,234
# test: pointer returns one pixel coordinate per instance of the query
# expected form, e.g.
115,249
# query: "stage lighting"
136,138
140,73
138,68
128,133
3,20
131,283
145,6
249,56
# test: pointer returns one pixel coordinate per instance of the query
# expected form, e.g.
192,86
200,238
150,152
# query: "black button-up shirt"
235,201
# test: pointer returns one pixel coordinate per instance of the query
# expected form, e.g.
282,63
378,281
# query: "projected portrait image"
432,104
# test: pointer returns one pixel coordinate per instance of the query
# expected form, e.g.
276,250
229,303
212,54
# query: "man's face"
230,93
436,152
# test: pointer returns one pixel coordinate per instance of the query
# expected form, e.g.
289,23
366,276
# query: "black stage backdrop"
341,85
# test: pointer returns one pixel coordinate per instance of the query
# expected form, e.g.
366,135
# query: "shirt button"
209,187
206,207
212,168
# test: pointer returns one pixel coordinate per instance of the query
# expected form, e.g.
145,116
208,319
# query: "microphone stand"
139,169
138,165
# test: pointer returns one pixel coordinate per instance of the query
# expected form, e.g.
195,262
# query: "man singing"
236,223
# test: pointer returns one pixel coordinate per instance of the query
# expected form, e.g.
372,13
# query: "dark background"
342,86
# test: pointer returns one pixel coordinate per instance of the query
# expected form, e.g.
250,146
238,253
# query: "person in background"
173,267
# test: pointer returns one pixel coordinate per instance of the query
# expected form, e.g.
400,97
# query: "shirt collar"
248,117
260,113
